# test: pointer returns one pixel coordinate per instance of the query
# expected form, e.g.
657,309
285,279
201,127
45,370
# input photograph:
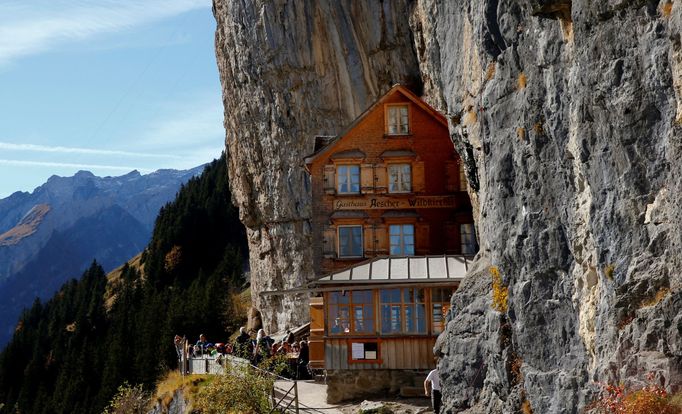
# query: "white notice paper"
358,350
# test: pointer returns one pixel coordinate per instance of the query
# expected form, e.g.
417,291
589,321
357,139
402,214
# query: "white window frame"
401,122
467,237
348,176
338,240
398,168
401,235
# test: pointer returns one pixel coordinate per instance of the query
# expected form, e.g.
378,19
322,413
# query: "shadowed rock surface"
568,115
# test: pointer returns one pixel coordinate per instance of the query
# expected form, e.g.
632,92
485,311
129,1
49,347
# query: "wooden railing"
284,392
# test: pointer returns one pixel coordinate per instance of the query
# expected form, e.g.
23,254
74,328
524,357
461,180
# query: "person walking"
432,388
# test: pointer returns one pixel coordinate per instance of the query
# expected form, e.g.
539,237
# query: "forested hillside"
70,354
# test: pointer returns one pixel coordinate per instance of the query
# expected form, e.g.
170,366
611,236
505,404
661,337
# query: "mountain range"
55,232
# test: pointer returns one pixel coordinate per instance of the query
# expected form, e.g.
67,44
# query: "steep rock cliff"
291,70
568,115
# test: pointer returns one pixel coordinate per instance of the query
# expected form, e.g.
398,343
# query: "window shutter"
329,242
330,179
452,175
366,178
381,239
418,180
452,237
368,239
380,178
316,343
422,240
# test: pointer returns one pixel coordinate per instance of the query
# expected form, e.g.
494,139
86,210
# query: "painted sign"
394,203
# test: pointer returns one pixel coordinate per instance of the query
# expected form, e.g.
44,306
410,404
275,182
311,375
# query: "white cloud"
30,163
31,30
75,150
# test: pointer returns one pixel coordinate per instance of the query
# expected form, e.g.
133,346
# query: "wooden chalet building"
392,230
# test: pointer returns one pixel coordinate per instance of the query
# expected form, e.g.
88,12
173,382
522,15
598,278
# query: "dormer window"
397,119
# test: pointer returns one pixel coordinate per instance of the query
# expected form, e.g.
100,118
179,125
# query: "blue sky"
106,86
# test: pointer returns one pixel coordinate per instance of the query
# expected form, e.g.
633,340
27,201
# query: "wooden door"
317,332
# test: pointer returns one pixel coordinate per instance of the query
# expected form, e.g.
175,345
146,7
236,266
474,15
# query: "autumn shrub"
499,290
129,400
490,71
526,408
650,399
521,81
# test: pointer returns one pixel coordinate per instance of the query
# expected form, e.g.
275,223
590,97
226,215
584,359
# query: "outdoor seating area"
288,354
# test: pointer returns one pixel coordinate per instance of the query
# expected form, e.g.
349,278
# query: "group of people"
255,350
264,347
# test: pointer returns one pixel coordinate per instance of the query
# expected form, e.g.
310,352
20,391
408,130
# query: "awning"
401,269
393,271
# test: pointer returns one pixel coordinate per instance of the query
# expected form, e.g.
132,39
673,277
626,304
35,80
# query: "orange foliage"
173,258
521,82
651,399
667,9
500,291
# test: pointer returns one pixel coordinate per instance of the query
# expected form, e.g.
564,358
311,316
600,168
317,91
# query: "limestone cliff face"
291,70
569,116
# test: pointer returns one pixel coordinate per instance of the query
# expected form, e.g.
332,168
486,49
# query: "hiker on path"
432,388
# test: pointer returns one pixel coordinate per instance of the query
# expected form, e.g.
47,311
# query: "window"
350,241
440,303
403,311
348,179
391,311
468,239
402,239
462,177
399,178
362,303
398,122
415,310
351,312
339,313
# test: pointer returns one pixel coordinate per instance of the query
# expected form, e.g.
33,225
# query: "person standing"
432,388
242,344
201,345
262,347
177,342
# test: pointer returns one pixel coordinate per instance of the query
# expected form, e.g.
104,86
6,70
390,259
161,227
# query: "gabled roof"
401,269
330,143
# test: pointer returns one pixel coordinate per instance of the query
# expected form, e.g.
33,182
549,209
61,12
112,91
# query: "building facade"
391,184
392,236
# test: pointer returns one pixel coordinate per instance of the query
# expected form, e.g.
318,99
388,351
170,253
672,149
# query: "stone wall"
345,385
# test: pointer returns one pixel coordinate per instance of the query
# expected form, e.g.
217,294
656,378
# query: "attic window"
397,119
